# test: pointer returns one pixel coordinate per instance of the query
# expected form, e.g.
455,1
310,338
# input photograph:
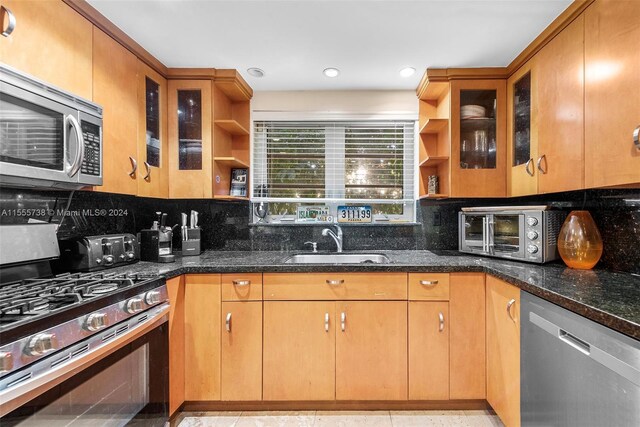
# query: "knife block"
191,246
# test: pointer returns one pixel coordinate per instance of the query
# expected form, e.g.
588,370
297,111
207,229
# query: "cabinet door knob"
147,177
636,137
326,322
540,168
510,304
343,321
527,167
441,320
227,322
134,166
11,25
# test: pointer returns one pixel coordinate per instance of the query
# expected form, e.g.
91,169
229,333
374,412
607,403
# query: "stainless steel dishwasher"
575,372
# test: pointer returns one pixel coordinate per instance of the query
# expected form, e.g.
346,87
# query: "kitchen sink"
338,258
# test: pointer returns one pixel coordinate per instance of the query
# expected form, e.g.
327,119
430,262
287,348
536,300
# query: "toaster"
92,253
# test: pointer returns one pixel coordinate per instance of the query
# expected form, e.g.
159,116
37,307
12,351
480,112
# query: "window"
330,164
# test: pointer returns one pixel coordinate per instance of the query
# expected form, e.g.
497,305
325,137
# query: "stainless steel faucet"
337,236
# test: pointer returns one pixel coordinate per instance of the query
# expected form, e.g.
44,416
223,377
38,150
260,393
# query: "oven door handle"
16,396
490,234
73,168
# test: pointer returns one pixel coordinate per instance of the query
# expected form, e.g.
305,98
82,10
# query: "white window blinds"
334,161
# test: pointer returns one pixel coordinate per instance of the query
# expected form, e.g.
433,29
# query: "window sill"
326,224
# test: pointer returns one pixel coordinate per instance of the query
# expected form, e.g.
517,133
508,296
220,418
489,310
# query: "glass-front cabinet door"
478,140
190,162
522,135
153,175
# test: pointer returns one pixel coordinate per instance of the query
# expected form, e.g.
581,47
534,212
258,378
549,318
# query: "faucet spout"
337,236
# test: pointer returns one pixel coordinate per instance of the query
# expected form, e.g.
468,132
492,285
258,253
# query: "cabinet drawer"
335,286
429,286
242,287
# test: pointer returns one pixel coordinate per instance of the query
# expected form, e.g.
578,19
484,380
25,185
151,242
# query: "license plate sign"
355,214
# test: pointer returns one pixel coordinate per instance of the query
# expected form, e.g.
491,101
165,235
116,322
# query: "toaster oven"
525,233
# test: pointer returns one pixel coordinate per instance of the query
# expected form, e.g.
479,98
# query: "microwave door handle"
74,167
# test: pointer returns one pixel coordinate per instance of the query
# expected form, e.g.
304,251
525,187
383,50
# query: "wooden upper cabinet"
478,138
190,148
299,356
52,42
241,352
560,111
115,88
612,92
503,350
202,336
522,131
467,336
371,350
153,172
428,350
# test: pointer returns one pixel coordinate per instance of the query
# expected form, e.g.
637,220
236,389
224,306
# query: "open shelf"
227,197
431,161
231,126
433,125
434,196
231,162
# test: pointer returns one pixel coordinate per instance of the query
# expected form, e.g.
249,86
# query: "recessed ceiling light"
331,72
255,72
407,72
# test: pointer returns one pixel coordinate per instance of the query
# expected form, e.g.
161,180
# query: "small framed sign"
313,214
355,214
238,182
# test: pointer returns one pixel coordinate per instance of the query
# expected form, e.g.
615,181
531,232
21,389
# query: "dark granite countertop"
609,298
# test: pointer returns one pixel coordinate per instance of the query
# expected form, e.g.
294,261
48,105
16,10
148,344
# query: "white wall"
283,105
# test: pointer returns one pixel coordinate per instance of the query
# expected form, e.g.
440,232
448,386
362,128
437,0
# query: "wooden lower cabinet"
503,350
175,289
202,321
241,351
467,366
299,354
371,350
429,350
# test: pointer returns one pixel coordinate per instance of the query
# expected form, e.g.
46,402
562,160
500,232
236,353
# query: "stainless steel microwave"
525,233
49,138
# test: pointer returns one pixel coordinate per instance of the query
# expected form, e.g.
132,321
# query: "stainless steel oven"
521,233
118,377
48,137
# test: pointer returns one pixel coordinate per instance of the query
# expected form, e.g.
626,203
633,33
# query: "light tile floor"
478,418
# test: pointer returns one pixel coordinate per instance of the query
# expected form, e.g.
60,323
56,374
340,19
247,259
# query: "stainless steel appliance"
88,348
575,372
98,252
48,137
525,233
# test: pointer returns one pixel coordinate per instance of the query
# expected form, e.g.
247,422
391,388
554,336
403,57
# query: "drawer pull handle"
227,322
326,322
343,321
510,304
428,282
242,282
441,319
335,282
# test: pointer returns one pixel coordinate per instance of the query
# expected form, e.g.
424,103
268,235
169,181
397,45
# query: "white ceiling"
368,40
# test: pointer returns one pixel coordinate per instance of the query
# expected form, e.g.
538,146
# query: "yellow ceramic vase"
579,242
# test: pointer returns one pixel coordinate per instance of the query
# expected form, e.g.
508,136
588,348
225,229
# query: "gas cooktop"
28,301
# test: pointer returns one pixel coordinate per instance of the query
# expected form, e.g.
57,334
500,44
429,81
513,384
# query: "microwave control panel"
92,155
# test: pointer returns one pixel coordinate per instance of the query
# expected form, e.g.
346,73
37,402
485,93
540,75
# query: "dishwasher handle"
596,354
